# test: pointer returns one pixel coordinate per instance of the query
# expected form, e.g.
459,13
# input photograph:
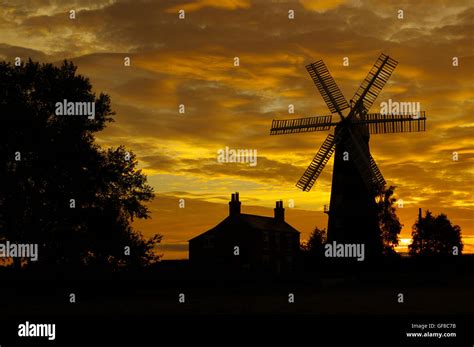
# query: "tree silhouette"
389,223
435,236
315,244
59,189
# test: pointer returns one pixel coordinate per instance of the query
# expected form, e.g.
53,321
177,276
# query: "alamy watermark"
229,155
70,108
345,250
407,108
28,329
19,250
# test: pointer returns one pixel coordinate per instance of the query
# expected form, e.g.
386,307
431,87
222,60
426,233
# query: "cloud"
265,170
200,4
321,5
9,53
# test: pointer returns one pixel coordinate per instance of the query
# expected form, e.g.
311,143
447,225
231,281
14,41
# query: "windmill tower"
356,179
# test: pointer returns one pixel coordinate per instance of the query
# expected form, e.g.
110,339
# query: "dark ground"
334,303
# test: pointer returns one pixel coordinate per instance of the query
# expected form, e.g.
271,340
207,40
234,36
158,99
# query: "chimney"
419,215
279,212
234,205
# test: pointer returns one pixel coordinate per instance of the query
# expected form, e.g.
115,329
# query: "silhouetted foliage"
389,223
60,162
435,236
315,244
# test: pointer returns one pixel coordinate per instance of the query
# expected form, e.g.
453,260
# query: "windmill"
356,179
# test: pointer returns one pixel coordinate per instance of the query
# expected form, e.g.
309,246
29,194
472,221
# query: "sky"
190,62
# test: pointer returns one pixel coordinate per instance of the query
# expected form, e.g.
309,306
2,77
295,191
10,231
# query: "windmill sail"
376,174
365,164
317,164
393,123
327,87
374,82
299,125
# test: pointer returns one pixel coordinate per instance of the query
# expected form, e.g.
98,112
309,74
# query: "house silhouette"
248,242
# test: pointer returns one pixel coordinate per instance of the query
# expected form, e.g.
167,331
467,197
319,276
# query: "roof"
266,223
255,222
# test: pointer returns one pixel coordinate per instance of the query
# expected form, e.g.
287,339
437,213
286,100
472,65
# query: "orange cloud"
321,5
200,4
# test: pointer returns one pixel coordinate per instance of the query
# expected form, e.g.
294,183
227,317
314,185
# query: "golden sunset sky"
191,61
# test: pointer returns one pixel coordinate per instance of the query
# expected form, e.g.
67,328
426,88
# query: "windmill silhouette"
356,179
